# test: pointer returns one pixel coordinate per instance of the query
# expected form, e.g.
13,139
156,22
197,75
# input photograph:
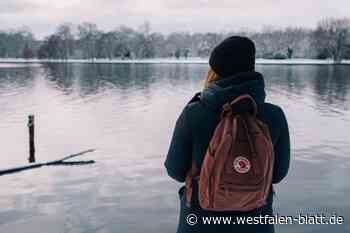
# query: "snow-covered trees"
330,39
14,42
66,37
271,42
105,45
88,34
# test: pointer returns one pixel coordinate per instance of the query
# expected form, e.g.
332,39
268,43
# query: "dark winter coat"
192,134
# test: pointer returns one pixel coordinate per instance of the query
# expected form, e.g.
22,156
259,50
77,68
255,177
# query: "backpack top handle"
227,108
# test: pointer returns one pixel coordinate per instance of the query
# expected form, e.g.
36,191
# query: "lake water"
127,112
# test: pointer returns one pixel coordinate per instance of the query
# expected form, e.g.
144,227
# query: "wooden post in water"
31,139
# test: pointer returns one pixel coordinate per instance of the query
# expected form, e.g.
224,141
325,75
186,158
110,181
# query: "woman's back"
192,135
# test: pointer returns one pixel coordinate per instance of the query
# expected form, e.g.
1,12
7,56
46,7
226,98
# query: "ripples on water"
128,112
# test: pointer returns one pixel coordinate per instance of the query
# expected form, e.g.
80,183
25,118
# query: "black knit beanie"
233,55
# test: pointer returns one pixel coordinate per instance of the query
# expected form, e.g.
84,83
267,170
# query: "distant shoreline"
259,61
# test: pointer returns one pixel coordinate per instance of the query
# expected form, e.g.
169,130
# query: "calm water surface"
128,113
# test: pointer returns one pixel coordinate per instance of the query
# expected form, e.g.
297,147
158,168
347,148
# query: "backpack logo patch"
241,164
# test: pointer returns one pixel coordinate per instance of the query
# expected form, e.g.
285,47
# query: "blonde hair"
212,76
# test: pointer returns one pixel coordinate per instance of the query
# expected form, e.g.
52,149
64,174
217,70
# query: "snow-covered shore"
167,61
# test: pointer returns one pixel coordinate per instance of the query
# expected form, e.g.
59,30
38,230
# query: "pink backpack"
236,173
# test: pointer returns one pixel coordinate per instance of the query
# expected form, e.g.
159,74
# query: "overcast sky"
42,16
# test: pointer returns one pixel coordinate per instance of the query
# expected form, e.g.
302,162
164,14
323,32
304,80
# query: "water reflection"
328,85
128,112
13,79
61,76
332,85
94,77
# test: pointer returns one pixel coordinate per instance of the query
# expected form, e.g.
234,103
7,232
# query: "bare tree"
176,43
125,42
144,47
105,45
88,34
65,32
51,48
331,37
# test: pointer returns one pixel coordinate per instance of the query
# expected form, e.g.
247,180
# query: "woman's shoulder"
194,103
273,115
195,108
272,109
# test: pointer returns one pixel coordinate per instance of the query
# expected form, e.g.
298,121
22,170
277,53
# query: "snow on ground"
194,60
16,64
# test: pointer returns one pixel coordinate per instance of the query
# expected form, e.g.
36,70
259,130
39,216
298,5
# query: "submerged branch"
51,163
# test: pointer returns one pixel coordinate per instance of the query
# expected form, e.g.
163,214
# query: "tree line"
330,39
